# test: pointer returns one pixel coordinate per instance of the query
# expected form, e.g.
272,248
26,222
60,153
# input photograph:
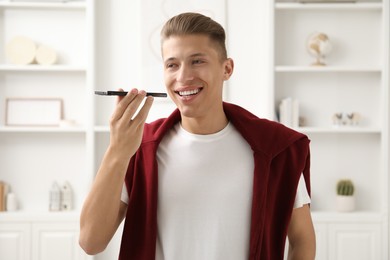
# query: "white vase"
12,203
345,203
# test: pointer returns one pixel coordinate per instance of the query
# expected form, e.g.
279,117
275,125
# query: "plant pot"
345,203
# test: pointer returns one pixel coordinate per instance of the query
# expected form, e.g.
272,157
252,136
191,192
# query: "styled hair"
195,23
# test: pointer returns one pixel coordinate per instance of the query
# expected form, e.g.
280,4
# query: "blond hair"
195,23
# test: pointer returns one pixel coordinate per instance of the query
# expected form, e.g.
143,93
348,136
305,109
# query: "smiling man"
211,181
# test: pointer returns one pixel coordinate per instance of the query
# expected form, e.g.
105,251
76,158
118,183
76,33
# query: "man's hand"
126,127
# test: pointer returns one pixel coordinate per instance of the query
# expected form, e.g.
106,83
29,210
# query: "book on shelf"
3,195
289,112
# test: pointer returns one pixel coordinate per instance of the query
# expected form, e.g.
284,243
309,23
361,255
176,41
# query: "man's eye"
197,61
170,65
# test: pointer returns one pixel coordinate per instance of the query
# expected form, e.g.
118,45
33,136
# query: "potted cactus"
345,195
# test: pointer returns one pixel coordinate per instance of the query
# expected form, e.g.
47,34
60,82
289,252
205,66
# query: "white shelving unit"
32,158
68,28
354,80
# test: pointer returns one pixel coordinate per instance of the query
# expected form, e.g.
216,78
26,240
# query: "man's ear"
229,67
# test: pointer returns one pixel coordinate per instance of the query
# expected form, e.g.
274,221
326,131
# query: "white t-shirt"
205,195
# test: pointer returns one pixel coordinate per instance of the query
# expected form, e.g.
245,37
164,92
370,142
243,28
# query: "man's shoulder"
262,134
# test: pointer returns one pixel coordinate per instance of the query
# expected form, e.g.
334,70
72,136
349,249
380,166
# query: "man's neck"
204,126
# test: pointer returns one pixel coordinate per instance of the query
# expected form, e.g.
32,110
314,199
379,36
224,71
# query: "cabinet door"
354,241
56,241
14,241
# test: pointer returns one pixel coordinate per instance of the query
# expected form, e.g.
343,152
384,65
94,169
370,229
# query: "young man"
211,181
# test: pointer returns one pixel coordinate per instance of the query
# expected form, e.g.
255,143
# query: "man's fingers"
119,98
128,105
123,103
134,105
140,118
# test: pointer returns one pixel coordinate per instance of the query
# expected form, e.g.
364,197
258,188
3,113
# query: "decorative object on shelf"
55,197
319,46
66,197
45,55
21,50
346,119
61,198
302,121
345,195
337,119
12,202
33,111
353,118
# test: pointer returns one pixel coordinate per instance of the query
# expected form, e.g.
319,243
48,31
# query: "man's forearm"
101,209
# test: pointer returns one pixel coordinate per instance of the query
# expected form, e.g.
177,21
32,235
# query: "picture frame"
33,111
326,1
44,1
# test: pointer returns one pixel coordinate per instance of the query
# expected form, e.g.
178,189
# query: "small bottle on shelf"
12,203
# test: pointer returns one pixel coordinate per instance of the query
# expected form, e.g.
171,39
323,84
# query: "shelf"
329,6
41,68
339,130
15,129
326,69
44,5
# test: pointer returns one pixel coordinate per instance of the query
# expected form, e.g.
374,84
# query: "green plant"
345,187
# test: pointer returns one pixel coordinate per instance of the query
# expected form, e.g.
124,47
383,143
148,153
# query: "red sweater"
280,155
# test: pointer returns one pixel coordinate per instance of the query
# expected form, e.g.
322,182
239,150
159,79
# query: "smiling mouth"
187,93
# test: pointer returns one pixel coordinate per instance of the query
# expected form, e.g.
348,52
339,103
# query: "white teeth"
189,92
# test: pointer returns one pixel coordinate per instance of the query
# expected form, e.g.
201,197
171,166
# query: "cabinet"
33,157
355,79
358,236
14,241
56,241
355,241
40,237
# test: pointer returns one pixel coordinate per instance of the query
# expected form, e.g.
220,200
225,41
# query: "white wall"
118,58
248,33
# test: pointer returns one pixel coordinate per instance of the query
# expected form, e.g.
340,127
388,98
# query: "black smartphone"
124,93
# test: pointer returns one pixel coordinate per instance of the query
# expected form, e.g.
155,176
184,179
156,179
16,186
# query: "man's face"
194,74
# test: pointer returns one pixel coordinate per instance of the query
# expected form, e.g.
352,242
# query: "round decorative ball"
21,50
46,55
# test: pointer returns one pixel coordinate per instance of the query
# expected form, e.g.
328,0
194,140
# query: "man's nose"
184,74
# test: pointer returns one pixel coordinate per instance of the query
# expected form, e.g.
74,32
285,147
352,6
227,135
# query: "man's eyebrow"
198,54
170,59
